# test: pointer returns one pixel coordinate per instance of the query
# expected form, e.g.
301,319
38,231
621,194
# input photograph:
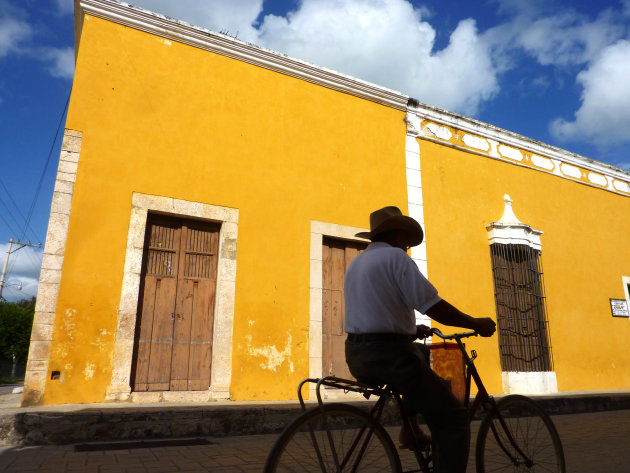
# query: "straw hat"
391,218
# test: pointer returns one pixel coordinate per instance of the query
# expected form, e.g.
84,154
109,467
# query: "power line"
8,225
18,209
9,212
41,179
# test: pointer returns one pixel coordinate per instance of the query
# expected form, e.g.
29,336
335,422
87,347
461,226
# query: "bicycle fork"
489,406
524,459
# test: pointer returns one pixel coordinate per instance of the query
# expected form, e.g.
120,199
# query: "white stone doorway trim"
318,231
120,386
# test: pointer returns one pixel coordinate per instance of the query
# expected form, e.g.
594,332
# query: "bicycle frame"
482,398
375,413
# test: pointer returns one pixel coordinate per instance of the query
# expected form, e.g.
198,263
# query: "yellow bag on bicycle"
447,361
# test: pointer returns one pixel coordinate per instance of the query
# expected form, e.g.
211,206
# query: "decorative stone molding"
509,230
50,275
185,33
480,138
120,386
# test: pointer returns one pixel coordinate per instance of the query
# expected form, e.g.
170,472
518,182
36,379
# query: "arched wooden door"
173,349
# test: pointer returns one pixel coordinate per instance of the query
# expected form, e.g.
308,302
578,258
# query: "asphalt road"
593,443
8,388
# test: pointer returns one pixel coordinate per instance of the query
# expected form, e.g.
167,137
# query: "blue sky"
557,71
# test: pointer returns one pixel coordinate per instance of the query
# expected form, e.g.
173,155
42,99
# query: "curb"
100,424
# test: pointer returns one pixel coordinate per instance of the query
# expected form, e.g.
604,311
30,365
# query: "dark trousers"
405,368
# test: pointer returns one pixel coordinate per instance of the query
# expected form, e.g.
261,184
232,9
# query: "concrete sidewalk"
125,421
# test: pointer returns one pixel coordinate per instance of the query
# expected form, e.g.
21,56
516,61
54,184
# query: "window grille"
519,291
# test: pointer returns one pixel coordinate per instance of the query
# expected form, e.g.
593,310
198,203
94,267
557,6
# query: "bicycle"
515,434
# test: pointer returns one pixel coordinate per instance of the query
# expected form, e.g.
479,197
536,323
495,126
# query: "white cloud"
567,38
604,115
65,6
388,43
371,39
234,17
460,77
381,41
17,37
62,61
13,33
592,49
560,39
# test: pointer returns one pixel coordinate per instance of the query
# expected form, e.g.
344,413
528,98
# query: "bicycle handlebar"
453,336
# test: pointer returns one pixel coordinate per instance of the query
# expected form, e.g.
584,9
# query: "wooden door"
175,323
337,255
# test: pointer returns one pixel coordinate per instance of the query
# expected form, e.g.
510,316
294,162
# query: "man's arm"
447,314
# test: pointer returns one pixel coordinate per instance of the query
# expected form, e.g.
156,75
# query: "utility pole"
6,259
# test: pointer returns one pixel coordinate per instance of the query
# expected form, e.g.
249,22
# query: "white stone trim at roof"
457,131
182,32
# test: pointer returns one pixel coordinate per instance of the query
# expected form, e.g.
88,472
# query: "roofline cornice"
509,138
182,32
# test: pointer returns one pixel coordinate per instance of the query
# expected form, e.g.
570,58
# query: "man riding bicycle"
382,288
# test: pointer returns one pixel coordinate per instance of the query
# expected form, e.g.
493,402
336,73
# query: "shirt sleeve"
416,290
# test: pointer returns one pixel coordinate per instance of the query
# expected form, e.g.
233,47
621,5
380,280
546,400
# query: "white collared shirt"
382,288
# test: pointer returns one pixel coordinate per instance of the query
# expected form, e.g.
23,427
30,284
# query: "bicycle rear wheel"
344,439
518,436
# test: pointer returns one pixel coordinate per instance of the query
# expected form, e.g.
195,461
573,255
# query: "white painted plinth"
538,382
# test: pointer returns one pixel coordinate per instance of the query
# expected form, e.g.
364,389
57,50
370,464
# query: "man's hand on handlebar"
484,326
422,331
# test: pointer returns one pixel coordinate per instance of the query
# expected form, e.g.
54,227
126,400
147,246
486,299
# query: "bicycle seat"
373,382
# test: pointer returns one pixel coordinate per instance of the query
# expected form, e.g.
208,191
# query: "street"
594,442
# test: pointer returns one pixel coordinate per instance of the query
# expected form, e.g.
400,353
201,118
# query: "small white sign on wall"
619,307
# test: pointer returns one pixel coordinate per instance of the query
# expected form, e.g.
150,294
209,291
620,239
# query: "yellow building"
205,207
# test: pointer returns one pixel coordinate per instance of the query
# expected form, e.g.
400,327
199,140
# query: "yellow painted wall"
584,256
167,119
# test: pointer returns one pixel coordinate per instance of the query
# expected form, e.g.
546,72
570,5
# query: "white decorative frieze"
571,171
511,153
542,162
476,142
598,179
438,131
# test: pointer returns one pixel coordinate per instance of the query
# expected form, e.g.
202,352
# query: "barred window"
519,292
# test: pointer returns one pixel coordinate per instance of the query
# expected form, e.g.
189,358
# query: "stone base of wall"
85,423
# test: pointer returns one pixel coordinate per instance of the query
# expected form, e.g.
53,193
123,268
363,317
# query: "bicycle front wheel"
341,438
518,436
